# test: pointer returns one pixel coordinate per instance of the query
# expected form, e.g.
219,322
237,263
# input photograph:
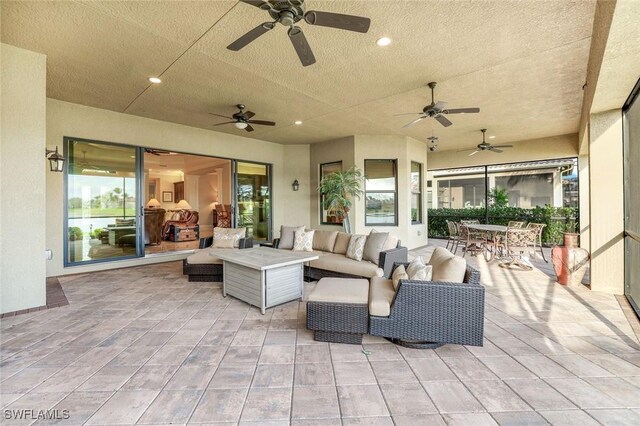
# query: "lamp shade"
153,203
182,204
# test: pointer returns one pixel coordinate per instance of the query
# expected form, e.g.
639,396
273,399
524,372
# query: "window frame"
321,209
419,193
394,192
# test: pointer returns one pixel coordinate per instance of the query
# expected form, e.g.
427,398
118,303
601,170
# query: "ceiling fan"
242,120
85,164
289,13
437,109
486,146
157,152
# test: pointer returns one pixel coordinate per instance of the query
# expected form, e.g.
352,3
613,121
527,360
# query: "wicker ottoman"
338,311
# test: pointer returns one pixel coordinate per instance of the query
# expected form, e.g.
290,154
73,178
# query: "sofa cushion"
223,243
340,263
356,247
374,245
398,274
303,240
391,243
287,236
203,256
341,290
447,267
416,263
423,273
324,240
342,243
381,294
233,234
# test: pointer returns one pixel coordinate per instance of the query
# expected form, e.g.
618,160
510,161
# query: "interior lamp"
56,161
183,205
153,204
240,125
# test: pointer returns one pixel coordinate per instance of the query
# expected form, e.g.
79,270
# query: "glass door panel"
253,199
102,202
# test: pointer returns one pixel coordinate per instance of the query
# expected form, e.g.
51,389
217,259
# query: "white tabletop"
489,228
263,257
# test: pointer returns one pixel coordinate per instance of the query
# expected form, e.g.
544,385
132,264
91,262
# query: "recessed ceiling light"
155,80
384,41
492,137
297,122
240,125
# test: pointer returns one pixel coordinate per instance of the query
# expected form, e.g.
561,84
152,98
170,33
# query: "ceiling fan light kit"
289,13
242,119
486,146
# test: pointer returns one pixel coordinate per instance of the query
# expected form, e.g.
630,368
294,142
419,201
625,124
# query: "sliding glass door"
253,199
102,202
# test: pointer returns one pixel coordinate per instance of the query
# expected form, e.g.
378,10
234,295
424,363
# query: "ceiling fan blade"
462,111
301,46
249,128
258,3
440,105
443,120
223,116
502,146
494,149
251,36
408,113
262,122
226,122
249,114
337,20
414,122
474,152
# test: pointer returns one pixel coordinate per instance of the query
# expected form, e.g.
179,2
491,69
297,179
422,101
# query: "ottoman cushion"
341,290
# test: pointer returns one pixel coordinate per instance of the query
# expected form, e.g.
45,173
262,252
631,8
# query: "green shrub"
75,233
558,219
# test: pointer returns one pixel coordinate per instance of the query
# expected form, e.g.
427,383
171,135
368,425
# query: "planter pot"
569,261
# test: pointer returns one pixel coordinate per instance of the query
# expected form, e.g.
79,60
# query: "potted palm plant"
339,189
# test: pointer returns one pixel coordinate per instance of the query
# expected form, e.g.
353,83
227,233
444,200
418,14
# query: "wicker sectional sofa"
202,267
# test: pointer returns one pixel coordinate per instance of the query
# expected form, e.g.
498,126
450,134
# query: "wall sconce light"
56,161
295,185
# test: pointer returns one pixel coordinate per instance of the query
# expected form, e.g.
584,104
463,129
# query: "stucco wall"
67,119
22,173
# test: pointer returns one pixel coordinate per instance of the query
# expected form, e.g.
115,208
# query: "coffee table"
263,276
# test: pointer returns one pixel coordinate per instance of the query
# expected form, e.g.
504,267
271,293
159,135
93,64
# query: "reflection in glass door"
101,202
253,199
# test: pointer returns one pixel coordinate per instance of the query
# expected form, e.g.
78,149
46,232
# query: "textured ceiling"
523,63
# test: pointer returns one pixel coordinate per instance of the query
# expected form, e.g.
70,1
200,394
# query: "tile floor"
143,345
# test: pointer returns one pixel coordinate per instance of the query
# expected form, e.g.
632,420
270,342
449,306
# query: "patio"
142,345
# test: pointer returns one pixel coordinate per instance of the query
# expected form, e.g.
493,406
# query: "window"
326,218
416,192
381,186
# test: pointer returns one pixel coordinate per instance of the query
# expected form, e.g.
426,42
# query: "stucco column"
606,202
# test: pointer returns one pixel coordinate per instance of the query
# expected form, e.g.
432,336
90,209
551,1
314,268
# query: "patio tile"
315,402
341,352
452,397
539,395
171,407
476,419
66,380
514,418
150,377
170,355
582,393
217,337
27,379
242,354
33,401
81,405
312,353
225,403
108,379
494,395
393,372
8,398
319,374
382,352
361,401
277,354
568,418
267,404
281,337
614,364
353,373
205,355
232,376
469,369
273,375
542,366
154,338
191,377
620,390
616,417
249,338
580,366
507,368
429,419
124,407
367,421
430,369
134,355
407,399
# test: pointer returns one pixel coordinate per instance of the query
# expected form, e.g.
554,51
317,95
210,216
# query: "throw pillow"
303,240
287,236
223,243
414,265
374,245
233,234
422,273
324,240
447,267
398,274
356,247
342,243
391,243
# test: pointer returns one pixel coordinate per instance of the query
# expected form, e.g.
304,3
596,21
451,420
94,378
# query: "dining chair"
516,243
470,221
471,241
515,224
537,242
453,235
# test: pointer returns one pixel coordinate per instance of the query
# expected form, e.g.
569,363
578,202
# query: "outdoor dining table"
488,229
